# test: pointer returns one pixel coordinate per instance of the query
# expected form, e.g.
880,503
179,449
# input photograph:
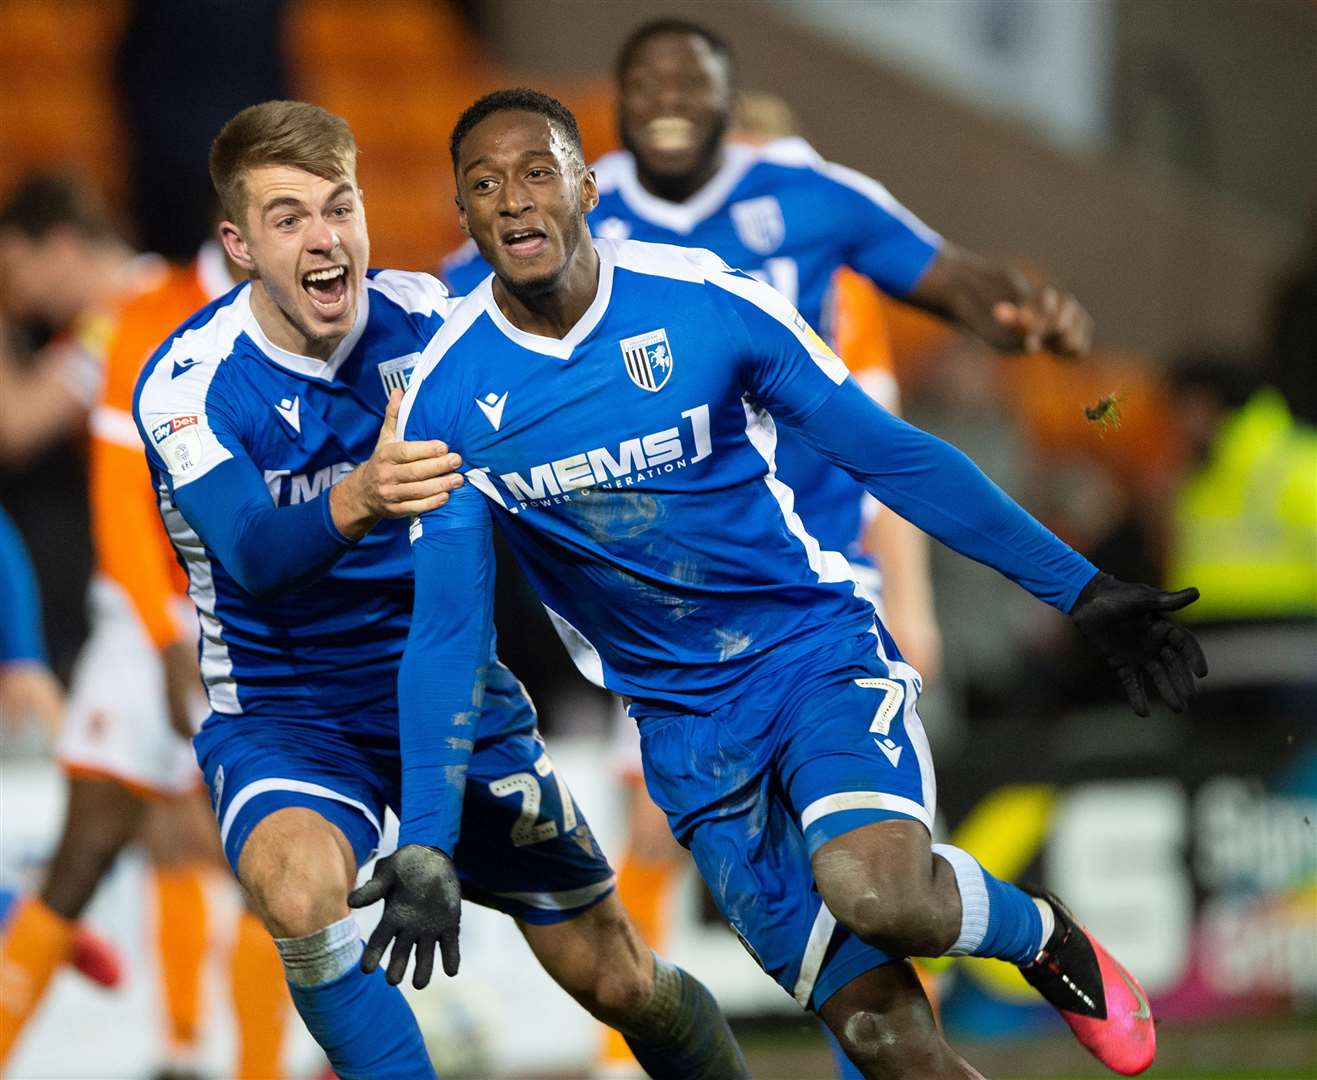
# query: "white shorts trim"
274,783
811,963
562,901
865,800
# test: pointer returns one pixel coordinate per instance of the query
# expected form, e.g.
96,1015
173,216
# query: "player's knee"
623,990
881,1046
898,921
296,878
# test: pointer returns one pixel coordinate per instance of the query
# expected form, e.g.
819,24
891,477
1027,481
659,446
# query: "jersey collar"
309,366
561,348
683,217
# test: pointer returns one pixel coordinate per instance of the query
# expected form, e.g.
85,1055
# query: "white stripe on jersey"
420,294
201,350
216,664
465,311
584,655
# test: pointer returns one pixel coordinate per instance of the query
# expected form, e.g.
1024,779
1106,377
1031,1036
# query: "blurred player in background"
777,718
269,420
29,691
63,268
135,702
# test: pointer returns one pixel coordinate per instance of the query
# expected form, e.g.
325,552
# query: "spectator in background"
62,269
174,103
1245,526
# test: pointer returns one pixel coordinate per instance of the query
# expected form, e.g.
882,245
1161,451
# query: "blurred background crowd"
1158,157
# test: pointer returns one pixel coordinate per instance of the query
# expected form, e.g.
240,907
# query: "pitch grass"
1284,1048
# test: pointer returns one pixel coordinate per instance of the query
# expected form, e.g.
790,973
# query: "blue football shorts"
821,742
525,847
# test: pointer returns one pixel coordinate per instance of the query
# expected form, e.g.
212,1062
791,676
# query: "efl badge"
397,373
179,443
759,224
648,359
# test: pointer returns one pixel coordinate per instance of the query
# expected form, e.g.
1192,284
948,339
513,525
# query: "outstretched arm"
1002,306
790,371
935,486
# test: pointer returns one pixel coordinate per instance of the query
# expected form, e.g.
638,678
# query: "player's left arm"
791,372
441,685
994,302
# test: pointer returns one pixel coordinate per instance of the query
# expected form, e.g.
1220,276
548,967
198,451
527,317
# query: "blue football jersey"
219,391
786,216
630,465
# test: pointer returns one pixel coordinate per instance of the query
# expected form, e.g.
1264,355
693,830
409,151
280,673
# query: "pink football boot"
1103,1003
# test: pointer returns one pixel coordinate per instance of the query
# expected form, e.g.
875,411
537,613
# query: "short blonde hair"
293,133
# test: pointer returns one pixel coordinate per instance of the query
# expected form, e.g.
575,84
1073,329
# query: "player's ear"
589,192
462,222
235,247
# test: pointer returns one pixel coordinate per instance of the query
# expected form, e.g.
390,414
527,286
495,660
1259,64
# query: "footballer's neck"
551,309
287,333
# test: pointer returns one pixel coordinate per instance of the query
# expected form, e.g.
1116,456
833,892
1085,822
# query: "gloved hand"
1126,623
422,905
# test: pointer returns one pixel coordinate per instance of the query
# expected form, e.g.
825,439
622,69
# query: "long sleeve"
442,677
267,548
938,488
788,370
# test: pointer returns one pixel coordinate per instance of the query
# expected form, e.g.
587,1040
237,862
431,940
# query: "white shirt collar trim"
561,348
683,217
309,366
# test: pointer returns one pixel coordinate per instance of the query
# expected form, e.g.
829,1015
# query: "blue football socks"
363,1024
997,918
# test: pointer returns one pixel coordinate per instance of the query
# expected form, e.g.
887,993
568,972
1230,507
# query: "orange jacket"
131,546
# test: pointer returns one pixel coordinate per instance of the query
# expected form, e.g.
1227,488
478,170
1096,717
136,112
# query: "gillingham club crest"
648,359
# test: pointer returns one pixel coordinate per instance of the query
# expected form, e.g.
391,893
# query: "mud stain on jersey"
616,515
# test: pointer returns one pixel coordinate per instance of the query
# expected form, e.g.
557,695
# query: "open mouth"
670,133
525,243
327,288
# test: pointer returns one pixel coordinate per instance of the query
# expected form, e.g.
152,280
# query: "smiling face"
523,191
303,239
675,106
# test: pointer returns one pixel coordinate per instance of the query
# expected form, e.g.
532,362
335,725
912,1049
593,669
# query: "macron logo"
890,750
492,406
289,411
182,367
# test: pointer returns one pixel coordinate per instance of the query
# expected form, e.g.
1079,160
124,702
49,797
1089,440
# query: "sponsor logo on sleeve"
178,441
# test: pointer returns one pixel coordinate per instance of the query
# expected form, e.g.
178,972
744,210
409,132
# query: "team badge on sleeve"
759,224
648,359
179,443
397,373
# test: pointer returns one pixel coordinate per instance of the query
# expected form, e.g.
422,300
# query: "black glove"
1127,624
422,905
